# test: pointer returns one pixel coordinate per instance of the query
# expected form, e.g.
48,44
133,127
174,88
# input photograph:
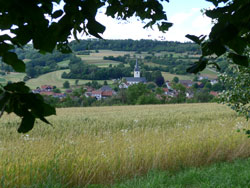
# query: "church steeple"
137,70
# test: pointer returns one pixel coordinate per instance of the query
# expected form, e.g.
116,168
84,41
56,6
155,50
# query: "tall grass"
102,145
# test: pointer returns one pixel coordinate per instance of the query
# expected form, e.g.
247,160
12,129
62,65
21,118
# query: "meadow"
106,145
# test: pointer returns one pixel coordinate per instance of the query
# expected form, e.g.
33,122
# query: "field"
104,145
54,78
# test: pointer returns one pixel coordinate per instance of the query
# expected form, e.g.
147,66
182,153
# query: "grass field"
13,77
54,78
104,145
169,76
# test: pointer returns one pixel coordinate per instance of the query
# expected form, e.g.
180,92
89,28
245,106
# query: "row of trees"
135,45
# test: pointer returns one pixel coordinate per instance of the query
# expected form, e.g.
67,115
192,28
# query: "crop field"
103,145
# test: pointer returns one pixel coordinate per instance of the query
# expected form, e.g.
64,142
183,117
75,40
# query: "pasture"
103,145
54,78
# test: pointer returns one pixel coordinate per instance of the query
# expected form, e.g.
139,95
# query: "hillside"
97,58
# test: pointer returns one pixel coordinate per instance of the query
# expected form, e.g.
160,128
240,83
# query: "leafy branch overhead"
37,21
230,34
17,98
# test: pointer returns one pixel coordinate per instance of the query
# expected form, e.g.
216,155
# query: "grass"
211,74
227,174
54,78
169,76
104,145
13,77
63,63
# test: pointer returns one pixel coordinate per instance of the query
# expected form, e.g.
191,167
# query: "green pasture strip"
54,78
169,76
12,76
63,63
225,174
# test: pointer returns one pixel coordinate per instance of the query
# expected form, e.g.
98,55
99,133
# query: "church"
137,76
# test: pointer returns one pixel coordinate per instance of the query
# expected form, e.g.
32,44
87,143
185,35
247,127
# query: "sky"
184,14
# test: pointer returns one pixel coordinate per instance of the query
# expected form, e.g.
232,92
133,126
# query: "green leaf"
48,110
198,66
95,28
27,123
239,59
57,14
164,26
197,40
45,120
19,87
217,47
11,59
64,48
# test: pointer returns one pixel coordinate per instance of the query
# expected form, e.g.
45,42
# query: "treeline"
43,64
80,70
135,45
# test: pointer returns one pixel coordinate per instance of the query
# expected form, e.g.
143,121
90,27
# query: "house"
169,92
189,94
213,81
48,93
214,93
202,78
200,84
97,94
137,77
131,80
186,83
103,92
168,84
46,87
59,95
124,85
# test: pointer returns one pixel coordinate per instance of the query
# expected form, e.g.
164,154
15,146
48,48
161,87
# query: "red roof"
107,93
47,93
47,87
165,89
214,93
96,92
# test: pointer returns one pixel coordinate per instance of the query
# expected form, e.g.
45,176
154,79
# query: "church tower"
136,70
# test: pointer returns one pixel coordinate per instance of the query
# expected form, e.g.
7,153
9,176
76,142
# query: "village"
168,90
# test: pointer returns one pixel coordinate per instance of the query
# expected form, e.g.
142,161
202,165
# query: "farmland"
54,78
102,145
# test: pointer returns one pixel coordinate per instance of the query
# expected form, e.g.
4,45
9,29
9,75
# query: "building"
103,92
137,76
186,83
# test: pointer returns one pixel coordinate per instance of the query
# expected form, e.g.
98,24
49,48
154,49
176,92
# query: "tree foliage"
237,95
229,35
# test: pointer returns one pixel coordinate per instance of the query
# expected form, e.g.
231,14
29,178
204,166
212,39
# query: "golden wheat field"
101,145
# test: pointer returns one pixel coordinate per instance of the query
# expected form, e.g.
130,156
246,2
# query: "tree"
237,95
66,84
76,82
159,81
230,34
175,79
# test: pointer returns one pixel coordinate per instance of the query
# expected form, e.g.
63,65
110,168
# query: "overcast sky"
185,14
